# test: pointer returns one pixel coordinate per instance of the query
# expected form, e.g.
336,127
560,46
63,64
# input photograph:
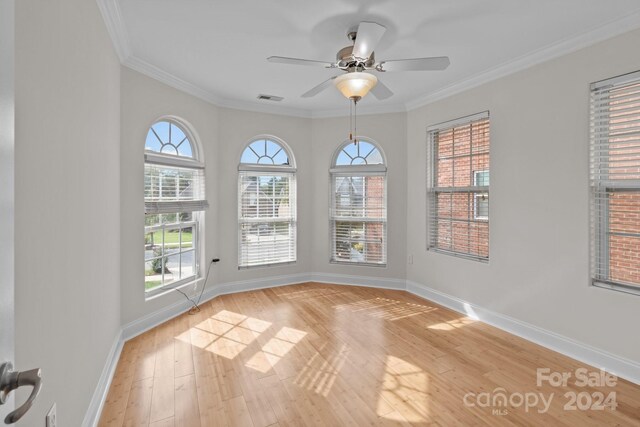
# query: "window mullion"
167,170
455,225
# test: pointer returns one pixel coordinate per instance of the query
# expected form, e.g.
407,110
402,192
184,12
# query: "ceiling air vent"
270,97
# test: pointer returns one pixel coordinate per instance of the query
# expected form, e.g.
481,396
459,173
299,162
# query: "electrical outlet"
51,417
410,259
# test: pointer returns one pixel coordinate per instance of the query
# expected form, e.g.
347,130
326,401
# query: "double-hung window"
358,213
458,187
173,198
266,204
615,183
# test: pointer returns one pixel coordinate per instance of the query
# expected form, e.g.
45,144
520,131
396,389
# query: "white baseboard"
621,367
370,282
254,284
154,319
151,320
92,416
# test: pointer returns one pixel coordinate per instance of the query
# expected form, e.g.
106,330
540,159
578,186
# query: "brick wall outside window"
616,182
458,154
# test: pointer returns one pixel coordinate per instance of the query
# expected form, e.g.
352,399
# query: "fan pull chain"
355,121
350,122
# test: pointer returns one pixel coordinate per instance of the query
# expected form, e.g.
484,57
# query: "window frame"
600,253
195,242
433,190
154,158
359,170
476,203
261,170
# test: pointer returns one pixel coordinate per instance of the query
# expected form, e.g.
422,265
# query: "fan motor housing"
345,59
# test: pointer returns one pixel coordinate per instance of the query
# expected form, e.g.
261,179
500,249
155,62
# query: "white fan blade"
381,91
368,37
316,90
298,61
417,64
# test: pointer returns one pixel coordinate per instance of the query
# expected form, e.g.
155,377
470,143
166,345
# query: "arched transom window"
174,196
360,153
265,152
168,138
359,204
266,204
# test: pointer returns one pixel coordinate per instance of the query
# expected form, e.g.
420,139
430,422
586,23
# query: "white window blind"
458,166
359,217
615,183
170,189
358,211
174,190
267,218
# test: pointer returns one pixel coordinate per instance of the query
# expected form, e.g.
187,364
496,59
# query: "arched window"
173,198
359,204
266,204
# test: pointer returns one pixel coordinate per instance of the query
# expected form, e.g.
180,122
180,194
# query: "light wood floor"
326,355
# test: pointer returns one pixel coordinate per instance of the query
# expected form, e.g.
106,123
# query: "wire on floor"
196,304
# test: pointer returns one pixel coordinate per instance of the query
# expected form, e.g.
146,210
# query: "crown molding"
169,79
265,108
112,16
563,47
363,110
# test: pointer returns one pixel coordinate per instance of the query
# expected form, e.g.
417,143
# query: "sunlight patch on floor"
452,324
385,308
319,374
310,293
225,333
275,349
405,387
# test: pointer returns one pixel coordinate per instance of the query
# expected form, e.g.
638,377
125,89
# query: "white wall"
539,238
539,267
7,199
80,126
236,129
223,134
389,131
144,100
67,202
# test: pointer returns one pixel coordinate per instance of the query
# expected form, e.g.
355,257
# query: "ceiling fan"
359,58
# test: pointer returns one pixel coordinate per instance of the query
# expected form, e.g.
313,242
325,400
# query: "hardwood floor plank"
118,395
316,354
139,403
162,401
182,347
167,422
255,396
282,405
238,413
187,411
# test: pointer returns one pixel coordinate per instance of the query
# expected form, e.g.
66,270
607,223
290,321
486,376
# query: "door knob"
10,380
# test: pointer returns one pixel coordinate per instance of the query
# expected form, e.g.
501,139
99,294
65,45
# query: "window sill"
275,264
615,286
459,255
356,263
159,292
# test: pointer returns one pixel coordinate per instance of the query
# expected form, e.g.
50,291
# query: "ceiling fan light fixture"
356,84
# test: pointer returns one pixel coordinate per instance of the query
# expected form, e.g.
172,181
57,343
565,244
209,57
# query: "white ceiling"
219,48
